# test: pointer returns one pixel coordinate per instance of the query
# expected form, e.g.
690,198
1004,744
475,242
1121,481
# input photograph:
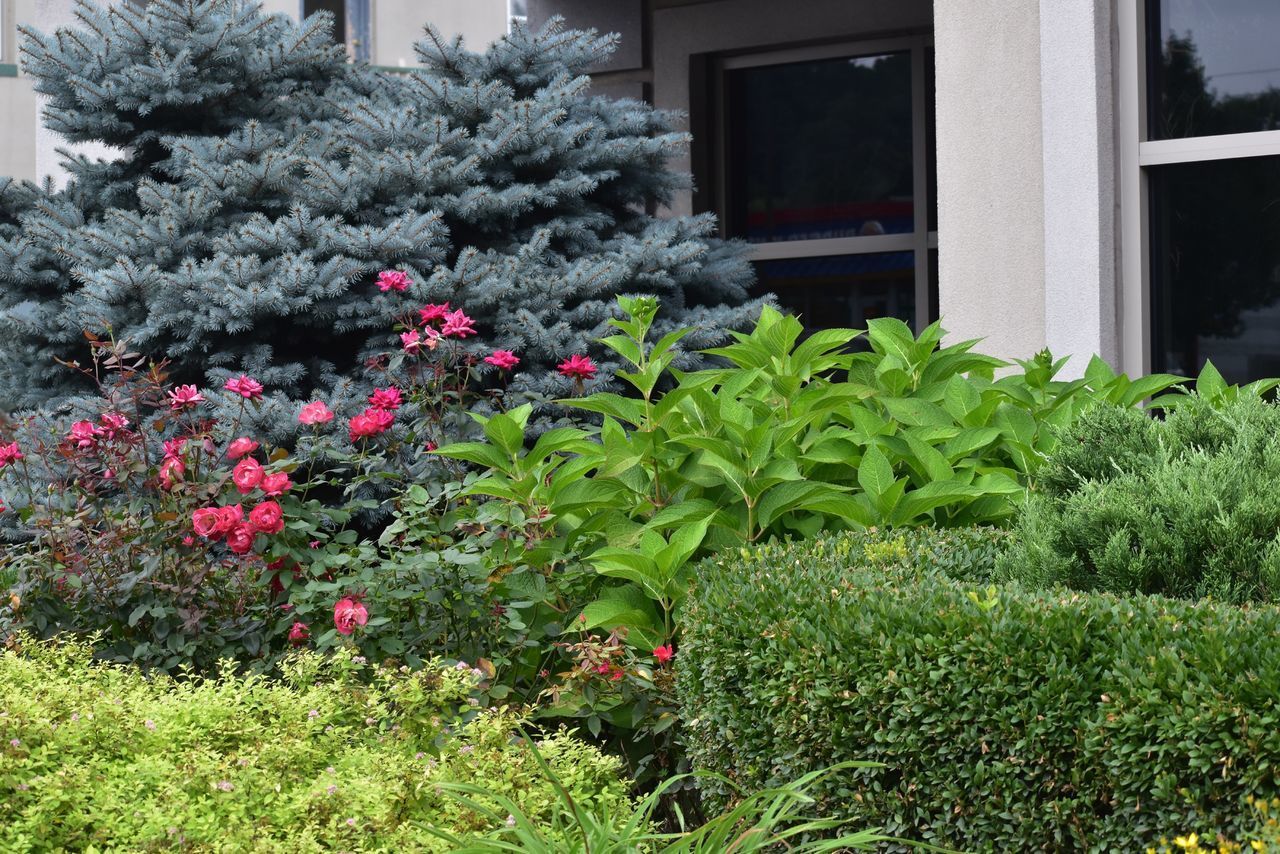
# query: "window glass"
1215,267
820,149
351,24
1213,67
842,290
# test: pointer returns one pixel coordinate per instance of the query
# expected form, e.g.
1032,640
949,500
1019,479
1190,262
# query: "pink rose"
577,367
171,471
247,475
664,653
275,484
502,359
432,312
206,521
267,518
240,447
372,422
298,634
228,517
175,447
184,397
347,614
457,324
393,280
315,413
85,433
245,386
240,539
411,342
386,398
9,454
113,423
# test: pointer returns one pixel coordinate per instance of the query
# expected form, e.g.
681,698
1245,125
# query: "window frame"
920,240
1137,154
357,35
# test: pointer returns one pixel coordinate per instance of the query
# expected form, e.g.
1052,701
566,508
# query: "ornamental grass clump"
340,756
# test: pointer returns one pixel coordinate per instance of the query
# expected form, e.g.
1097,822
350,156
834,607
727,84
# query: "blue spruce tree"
264,182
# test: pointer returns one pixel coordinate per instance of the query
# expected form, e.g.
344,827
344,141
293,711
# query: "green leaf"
503,431
968,441
1210,384
875,475
929,497
624,605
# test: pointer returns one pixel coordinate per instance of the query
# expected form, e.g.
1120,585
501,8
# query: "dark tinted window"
1215,267
820,149
1213,67
843,290
336,8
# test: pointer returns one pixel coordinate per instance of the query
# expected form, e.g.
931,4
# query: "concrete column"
991,199
1079,180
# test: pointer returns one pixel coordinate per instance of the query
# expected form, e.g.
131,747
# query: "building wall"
28,150
1026,166
17,99
990,174
46,17
398,25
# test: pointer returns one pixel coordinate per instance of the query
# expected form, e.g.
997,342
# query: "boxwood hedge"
1006,718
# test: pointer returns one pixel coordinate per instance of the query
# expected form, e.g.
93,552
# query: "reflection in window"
842,290
820,149
1213,67
1215,267
351,24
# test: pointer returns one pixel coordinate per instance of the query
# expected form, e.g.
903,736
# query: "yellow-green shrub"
339,756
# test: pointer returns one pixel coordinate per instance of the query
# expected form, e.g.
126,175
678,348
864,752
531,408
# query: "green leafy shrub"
768,820
1181,507
341,756
789,437
1005,719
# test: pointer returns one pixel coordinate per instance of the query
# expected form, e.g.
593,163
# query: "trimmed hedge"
1007,719
341,756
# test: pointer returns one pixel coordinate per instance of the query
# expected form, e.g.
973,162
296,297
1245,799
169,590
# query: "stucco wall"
990,174
17,99
1078,126
48,15
398,25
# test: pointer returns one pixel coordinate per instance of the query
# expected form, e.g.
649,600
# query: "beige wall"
18,124
398,25
17,99
990,174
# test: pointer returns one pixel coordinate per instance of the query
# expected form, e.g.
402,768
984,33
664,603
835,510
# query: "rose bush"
159,518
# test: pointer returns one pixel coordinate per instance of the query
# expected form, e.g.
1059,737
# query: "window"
826,168
1201,186
351,25
517,10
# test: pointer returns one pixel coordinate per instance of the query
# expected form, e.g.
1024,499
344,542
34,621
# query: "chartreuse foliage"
1183,506
790,438
1005,719
338,757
